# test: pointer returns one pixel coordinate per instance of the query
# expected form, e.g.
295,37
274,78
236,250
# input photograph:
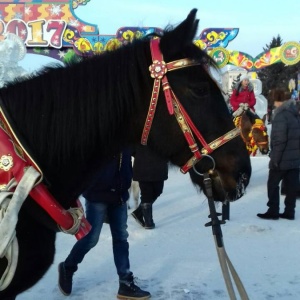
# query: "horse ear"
183,35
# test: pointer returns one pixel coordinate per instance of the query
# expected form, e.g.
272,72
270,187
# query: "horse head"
201,137
253,132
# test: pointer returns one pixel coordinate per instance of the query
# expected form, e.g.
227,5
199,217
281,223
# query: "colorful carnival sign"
52,28
288,53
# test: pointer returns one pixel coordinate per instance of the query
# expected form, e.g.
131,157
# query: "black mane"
55,101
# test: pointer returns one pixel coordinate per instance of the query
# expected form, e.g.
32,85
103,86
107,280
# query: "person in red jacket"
243,94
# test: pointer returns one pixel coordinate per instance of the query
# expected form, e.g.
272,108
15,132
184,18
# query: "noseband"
158,71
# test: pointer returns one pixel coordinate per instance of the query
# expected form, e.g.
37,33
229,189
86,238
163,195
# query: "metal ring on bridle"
195,161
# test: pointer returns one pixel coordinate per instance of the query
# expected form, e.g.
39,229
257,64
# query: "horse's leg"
36,254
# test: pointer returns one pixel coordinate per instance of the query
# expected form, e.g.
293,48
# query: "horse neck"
69,123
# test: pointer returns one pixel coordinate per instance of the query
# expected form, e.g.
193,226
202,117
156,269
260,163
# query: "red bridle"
158,71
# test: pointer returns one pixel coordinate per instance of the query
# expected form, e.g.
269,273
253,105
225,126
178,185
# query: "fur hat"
245,76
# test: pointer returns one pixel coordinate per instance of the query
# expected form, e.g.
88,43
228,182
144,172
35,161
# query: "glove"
273,165
245,106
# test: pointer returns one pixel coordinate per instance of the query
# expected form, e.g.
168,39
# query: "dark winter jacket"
148,166
112,182
240,95
285,137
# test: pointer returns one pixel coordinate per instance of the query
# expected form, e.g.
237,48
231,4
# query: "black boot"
287,215
128,290
269,216
65,278
138,215
147,212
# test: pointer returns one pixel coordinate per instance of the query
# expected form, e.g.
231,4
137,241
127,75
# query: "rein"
227,267
158,71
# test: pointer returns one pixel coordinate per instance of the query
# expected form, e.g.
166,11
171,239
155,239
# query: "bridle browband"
158,71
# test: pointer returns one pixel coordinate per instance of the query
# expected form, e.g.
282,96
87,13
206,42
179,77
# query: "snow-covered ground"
178,259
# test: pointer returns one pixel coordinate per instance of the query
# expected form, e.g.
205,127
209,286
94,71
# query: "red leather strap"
193,127
159,72
151,112
220,141
181,63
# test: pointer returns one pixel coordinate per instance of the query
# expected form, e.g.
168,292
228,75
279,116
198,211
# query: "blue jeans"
96,214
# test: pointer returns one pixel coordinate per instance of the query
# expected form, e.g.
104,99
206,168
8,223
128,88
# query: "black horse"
73,119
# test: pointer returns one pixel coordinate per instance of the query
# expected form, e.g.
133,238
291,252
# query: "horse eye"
200,90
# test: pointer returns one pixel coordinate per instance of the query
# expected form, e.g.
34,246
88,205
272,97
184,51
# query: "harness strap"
186,129
11,255
151,112
158,70
9,208
206,147
213,145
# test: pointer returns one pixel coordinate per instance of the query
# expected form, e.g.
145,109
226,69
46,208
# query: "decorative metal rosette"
158,69
6,162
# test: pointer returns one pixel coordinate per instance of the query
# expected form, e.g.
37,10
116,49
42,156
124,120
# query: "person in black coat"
284,157
150,170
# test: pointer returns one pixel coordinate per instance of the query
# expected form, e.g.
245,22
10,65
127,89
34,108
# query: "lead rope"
224,260
11,200
77,213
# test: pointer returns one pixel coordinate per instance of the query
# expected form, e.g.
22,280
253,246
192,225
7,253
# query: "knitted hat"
245,76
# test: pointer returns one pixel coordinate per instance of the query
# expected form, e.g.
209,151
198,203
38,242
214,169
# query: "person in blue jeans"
106,202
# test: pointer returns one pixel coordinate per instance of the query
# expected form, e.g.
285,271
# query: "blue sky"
258,21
